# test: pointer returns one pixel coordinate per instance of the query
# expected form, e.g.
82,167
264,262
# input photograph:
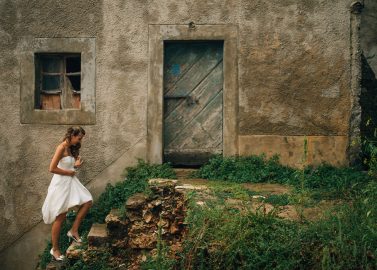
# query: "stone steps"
184,173
98,236
136,227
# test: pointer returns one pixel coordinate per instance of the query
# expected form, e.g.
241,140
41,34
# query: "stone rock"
133,216
165,214
116,225
143,241
174,228
163,222
162,182
258,197
74,251
136,201
155,203
97,236
120,243
147,216
137,227
201,203
187,187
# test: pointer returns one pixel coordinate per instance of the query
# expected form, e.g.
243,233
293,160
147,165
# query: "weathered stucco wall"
293,74
295,70
121,68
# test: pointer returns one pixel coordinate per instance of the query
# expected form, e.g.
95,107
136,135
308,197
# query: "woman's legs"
79,217
55,232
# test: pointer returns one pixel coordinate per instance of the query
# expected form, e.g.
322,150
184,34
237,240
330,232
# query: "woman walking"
65,190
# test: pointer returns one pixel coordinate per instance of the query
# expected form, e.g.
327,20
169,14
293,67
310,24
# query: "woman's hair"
74,131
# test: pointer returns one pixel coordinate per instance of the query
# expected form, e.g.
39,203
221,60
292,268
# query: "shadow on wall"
368,99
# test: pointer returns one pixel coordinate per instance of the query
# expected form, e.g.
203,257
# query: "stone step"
136,201
74,251
117,224
98,236
183,173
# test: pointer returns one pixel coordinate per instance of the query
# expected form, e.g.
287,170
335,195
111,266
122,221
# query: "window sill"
59,117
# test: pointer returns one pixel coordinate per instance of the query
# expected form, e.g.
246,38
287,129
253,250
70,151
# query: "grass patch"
220,238
324,181
278,200
224,190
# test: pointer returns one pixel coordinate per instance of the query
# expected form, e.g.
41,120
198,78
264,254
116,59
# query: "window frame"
28,113
63,89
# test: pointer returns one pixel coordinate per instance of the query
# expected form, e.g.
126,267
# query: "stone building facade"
290,71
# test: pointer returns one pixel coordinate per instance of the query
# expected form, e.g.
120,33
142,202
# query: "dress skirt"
63,193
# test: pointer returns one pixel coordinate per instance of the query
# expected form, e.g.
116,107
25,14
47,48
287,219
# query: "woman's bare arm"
55,160
78,162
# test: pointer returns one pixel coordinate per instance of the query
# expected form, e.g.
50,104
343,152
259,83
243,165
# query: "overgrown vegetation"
222,237
324,180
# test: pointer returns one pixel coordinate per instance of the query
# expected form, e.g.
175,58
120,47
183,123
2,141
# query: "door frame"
158,34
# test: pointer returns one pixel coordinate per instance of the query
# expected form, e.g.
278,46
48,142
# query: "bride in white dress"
65,190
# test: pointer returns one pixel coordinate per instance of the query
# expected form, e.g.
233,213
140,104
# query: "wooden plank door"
193,101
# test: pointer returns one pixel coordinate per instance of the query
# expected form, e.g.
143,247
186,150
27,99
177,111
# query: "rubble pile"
130,233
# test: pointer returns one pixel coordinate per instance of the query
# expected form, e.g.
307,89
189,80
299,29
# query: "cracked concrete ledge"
23,253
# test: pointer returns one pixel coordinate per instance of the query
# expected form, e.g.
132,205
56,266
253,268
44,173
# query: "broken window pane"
73,64
50,82
75,82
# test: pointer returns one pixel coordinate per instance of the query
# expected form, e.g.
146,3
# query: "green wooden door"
193,101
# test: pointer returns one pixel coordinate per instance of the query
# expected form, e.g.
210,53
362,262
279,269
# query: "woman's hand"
78,162
71,173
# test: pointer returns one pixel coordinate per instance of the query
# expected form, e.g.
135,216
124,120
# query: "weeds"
346,238
161,261
322,182
221,238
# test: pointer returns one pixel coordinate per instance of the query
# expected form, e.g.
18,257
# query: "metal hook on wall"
191,25
357,7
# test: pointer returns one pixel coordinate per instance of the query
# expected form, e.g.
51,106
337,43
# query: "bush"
252,169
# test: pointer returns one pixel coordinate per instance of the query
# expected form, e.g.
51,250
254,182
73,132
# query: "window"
58,81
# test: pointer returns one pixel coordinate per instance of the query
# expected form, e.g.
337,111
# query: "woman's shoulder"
61,147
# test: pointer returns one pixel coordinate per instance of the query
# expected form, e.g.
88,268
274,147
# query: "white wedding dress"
64,192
